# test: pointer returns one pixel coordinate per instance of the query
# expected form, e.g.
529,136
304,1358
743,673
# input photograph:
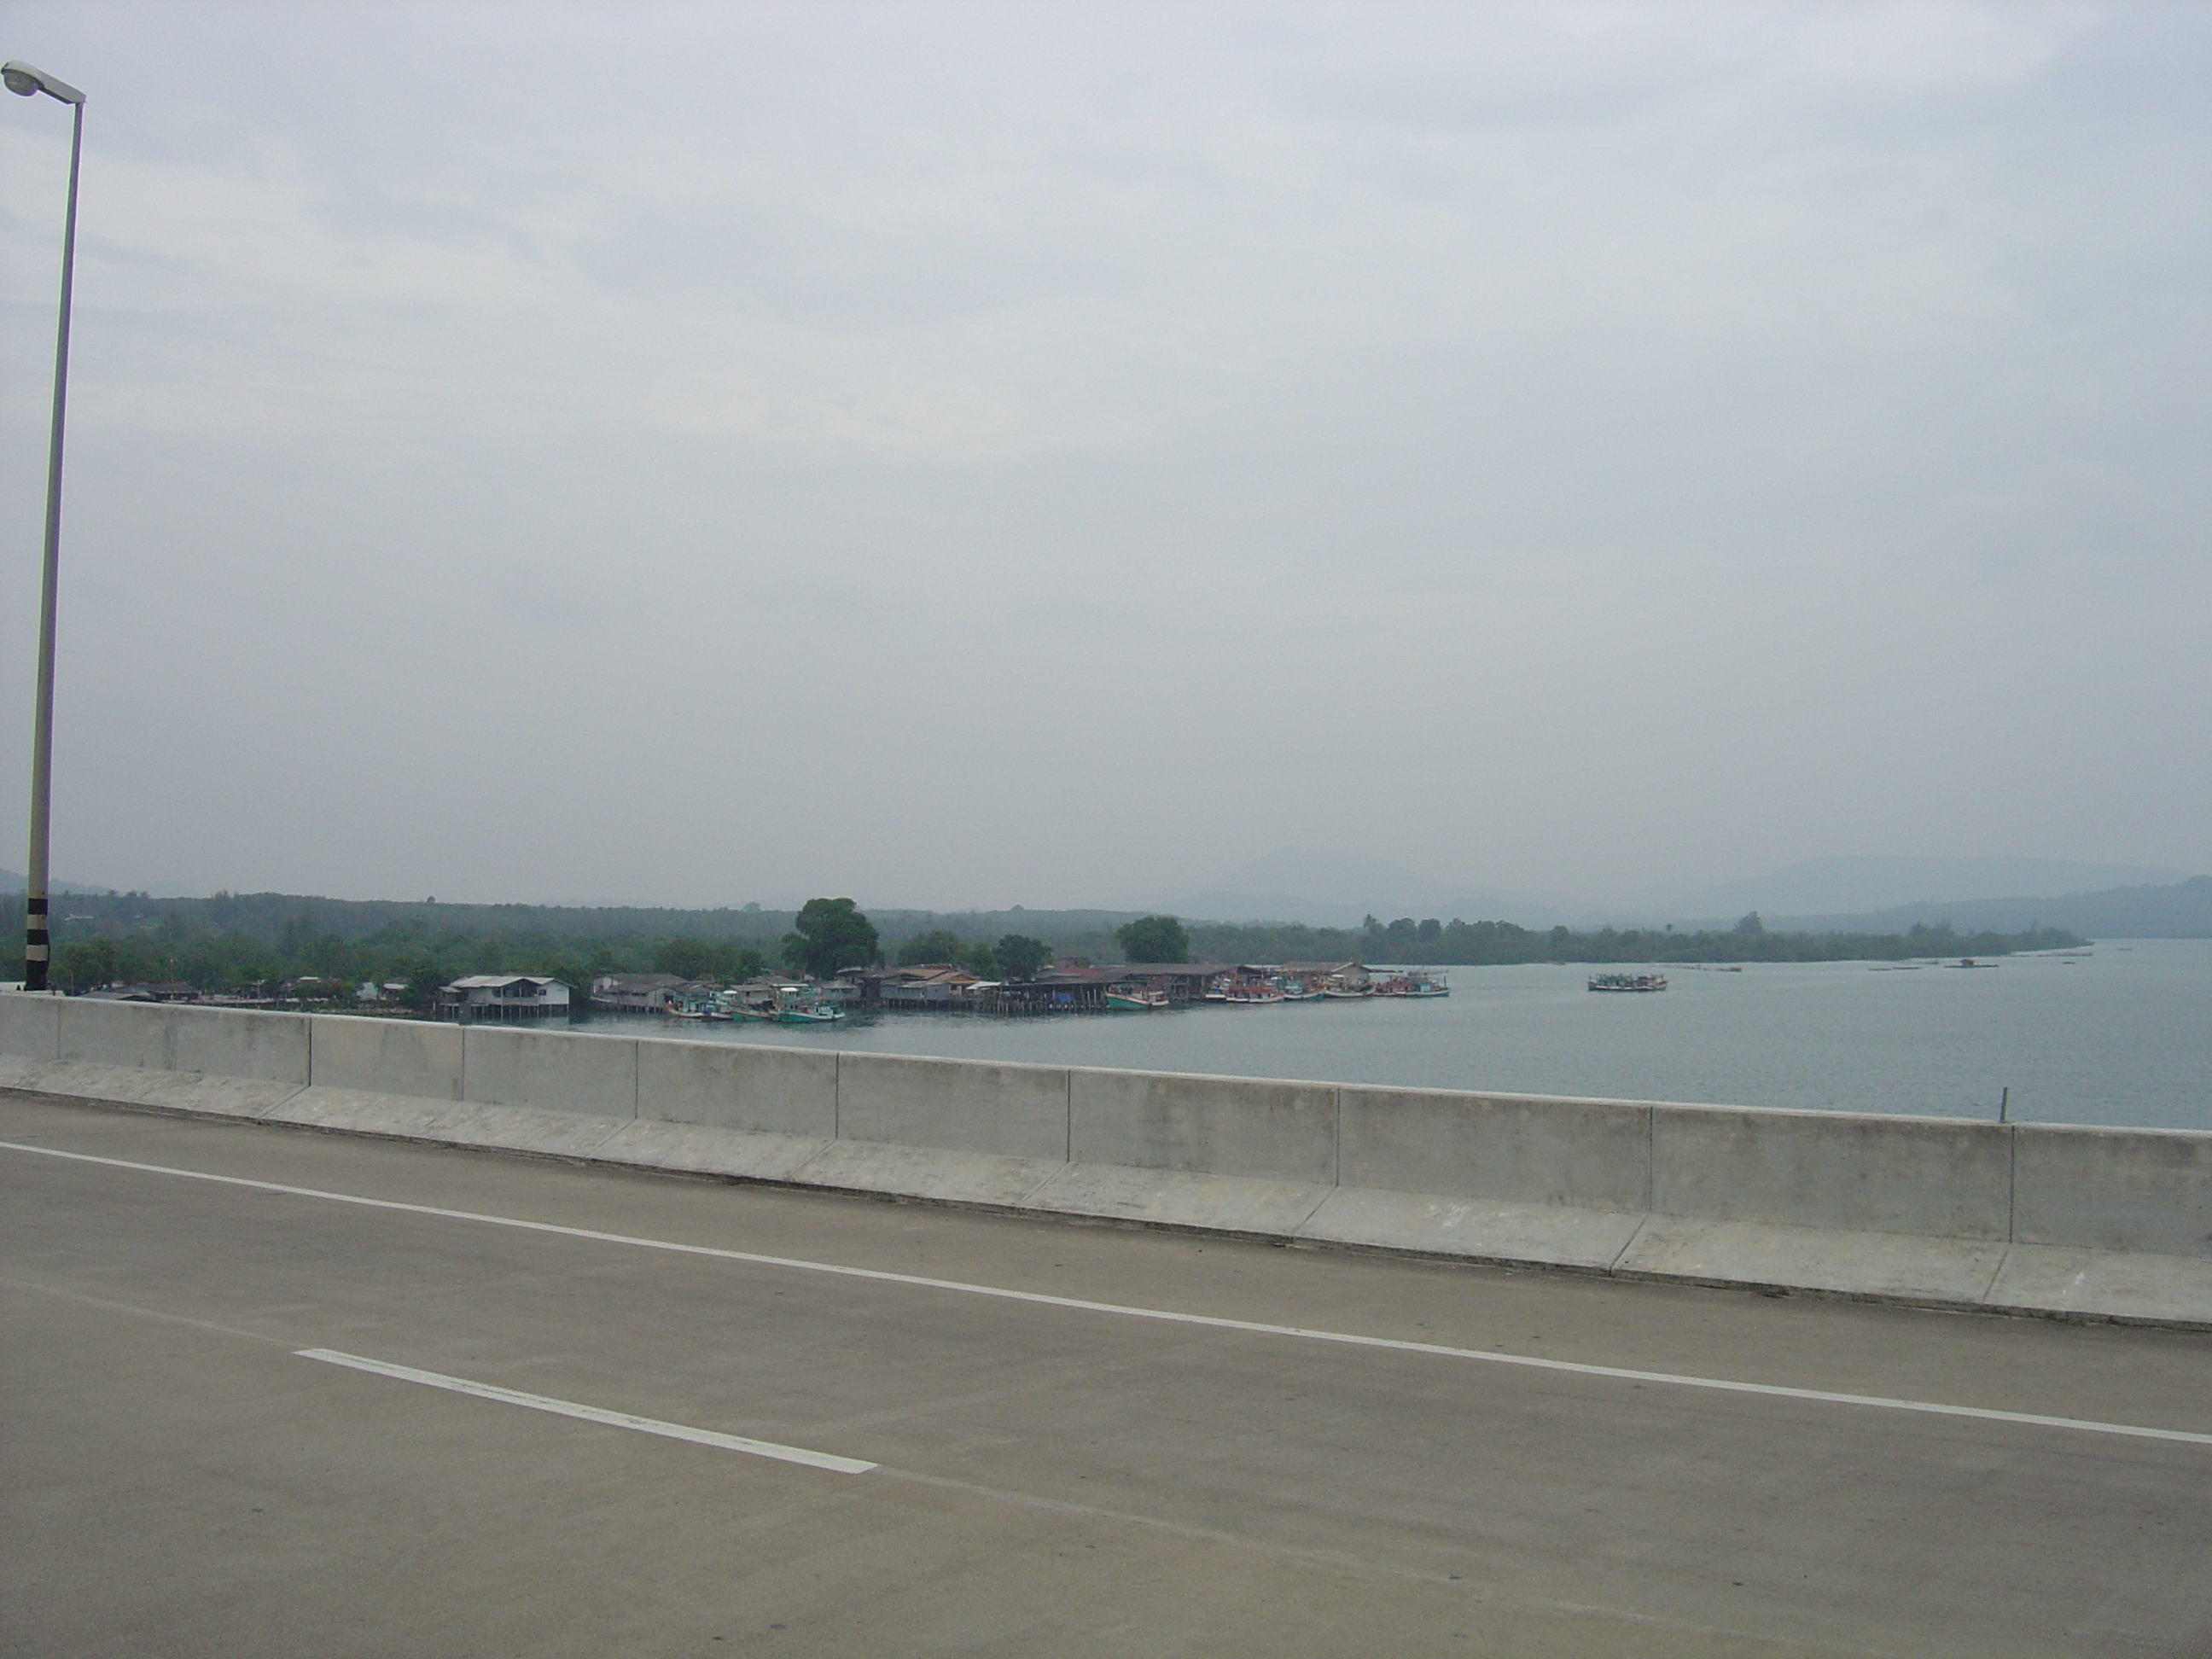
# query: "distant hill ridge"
2181,910
1869,884
271,916
1338,889
11,881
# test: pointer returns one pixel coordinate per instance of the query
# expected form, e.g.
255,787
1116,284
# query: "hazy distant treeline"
236,942
1478,944
422,959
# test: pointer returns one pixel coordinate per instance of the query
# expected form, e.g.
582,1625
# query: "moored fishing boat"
1628,981
782,1005
1130,999
1421,984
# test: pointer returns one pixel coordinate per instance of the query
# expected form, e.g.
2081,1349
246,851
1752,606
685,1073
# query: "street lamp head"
24,80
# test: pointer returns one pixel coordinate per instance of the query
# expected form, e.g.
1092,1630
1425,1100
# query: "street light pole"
38,949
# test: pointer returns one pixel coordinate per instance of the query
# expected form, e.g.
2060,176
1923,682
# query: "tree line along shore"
322,950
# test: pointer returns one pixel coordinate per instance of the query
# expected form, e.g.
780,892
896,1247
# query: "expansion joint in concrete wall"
1629,1243
2012,1181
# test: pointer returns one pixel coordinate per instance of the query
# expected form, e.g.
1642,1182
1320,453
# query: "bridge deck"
569,1438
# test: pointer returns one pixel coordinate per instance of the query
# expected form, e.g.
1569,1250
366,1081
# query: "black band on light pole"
36,947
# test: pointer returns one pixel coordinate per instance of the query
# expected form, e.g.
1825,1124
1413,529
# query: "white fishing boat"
1420,984
1628,981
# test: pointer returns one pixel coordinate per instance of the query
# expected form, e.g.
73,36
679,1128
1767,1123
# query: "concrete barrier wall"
1206,1124
1513,1149
240,1042
387,1057
553,1071
234,1042
1937,1176
738,1085
957,1105
30,1026
2134,1190
118,1034
2113,1189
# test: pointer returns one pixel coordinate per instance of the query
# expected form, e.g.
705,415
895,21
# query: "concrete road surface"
514,1407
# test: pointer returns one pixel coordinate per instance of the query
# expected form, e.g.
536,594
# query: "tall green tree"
1153,938
981,960
686,958
828,934
1021,957
88,964
938,945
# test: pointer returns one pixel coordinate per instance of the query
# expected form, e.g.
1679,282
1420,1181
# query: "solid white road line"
1397,1345
538,1402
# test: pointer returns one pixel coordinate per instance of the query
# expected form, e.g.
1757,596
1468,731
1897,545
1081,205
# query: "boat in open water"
1628,981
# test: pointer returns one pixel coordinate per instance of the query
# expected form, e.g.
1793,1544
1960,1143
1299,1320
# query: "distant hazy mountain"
11,881
1876,893
2182,910
1337,890
1859,885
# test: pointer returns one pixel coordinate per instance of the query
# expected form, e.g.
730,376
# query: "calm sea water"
2120,1036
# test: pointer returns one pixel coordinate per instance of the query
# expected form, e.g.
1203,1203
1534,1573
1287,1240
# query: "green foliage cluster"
939,945
1021,957
631,934
1439,943
1011,956
724,961
828,934
130,939
1015,956
1153,938
255,944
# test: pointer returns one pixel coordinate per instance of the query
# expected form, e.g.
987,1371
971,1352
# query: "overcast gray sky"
1054,453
